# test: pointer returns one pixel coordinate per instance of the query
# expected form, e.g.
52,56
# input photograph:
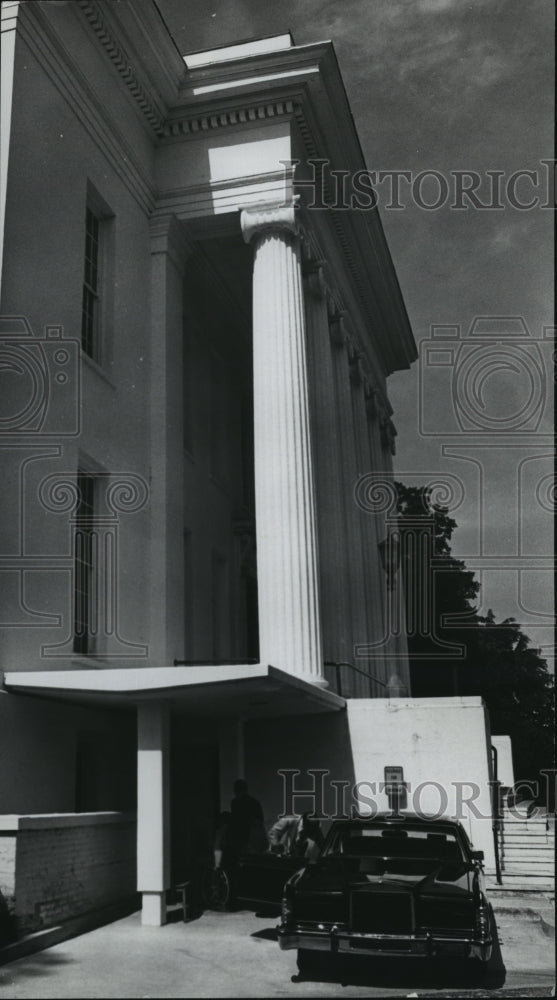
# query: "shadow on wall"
8,931
304,743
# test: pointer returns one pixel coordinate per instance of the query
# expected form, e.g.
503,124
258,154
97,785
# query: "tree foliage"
497,660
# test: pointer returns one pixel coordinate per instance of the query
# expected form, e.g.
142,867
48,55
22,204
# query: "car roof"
399,819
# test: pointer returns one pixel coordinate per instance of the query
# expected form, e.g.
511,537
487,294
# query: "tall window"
85,565
97,290
91,286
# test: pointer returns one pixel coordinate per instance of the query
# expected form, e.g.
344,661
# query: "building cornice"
95,14
304,84
241,114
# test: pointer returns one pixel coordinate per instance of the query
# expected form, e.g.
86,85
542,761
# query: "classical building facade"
198,442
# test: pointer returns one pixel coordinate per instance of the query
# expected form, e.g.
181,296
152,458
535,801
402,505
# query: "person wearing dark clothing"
246,829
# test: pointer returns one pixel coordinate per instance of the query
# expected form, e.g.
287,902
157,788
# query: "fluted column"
335,557
373,576
289,622
351,473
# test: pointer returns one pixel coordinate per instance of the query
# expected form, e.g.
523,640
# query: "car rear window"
392,842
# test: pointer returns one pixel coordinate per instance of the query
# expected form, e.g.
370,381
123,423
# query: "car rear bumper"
344,942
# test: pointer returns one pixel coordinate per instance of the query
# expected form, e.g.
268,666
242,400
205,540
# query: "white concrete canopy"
232,692
251,691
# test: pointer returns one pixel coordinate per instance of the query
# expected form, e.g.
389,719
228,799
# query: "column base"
153,909
311,679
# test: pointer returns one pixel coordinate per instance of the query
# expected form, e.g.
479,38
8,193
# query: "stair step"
514,864
513,845
526,845
534,838
527,859
527,866
512,851
519,887
531,820
545,850
511,879
524,820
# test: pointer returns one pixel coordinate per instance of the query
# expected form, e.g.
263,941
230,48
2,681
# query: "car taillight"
482,921
286,909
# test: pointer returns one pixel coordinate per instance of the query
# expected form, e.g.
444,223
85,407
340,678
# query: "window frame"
86,569
97,293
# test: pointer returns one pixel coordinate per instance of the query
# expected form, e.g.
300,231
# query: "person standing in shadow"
246,828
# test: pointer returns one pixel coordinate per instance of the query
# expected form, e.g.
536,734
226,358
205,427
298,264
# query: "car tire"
216,889
310,962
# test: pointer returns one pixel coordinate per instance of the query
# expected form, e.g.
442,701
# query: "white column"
153,811
9,16
289,623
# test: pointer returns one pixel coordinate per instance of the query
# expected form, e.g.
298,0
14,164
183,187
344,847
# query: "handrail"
346,663
496,814
243,661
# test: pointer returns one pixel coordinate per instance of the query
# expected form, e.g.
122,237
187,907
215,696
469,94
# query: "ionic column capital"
370,395
258,220
337,329
316,281
356,368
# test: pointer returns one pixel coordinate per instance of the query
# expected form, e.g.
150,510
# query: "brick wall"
7,867
69,865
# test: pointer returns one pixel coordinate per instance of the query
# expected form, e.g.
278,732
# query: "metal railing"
337,664
496,808
229,662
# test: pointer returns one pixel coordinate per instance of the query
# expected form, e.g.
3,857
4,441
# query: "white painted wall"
505,769
38,754
441,740
435,740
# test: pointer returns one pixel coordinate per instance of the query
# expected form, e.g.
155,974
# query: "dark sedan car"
391,885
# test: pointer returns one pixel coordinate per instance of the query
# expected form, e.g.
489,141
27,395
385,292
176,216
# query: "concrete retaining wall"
442,744
505,769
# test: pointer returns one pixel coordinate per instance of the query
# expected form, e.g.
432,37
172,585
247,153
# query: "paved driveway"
236,955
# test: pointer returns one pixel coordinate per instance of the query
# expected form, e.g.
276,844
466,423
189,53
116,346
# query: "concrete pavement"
236,955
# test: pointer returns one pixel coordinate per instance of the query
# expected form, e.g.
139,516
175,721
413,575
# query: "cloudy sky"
450,85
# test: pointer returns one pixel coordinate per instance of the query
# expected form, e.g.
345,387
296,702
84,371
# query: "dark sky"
447,85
